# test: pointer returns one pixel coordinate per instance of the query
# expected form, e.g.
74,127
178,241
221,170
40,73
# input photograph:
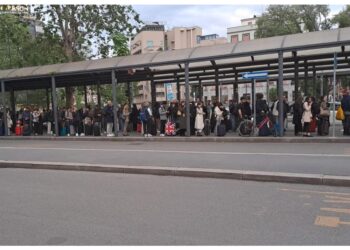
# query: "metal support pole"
187,86
4,111
267,91
153,92
280,92
334,81
54,104
305,79
85,96
296,80
98,94
200,94
217,84
114,97
13,101
178,92
251,95
321,89
129,92
235,88
314,78
47,99
254,105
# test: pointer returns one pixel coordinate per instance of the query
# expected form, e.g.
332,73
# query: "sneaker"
145,135
76,134
161,135
68,134
149,135
82,134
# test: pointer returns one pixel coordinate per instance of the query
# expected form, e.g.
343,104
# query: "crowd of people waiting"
164,118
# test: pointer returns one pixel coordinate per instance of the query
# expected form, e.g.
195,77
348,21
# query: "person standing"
297,115
345,105
218,113
134,117
126,115
109,117
199,123
181,114
36,115
163,118
307,116
145,118
323,122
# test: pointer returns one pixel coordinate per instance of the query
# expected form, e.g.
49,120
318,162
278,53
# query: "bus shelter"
298,56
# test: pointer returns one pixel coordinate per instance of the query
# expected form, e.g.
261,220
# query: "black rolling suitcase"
152,127
221,130
26,130
206,128
97,129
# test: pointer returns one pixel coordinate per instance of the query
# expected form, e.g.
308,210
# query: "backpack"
274,109
143,116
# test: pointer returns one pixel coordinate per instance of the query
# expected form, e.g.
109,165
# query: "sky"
213,19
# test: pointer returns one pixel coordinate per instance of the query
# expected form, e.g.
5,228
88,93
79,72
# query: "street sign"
255,75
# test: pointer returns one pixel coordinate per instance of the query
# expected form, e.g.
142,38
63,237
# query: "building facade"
153,38
244,32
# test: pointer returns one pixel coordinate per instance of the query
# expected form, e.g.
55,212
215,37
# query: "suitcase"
19,130
313,125
221,130
263,127
206,128
152,127
88,130
26,130
170,129
97,130
139,128
323,127
71,130
63,131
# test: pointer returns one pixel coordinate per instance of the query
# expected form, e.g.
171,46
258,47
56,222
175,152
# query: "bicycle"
245,127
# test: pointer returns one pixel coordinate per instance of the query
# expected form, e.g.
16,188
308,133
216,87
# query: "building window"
234,39
246,37
149,44
250,23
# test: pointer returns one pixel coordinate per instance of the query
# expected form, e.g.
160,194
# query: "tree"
342,18
87,30
290,19
20,49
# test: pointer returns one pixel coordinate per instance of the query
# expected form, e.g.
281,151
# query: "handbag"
340,114
324,112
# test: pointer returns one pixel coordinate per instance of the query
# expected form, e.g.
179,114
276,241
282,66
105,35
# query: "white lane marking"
178,152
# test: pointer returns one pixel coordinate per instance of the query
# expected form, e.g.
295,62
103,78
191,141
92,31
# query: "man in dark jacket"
345,105
109,117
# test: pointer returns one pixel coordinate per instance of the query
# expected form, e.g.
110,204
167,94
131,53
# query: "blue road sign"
255,75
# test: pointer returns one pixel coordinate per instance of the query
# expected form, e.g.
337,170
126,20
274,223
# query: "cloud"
211,18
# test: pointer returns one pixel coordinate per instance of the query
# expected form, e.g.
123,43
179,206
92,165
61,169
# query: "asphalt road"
313,158
46,207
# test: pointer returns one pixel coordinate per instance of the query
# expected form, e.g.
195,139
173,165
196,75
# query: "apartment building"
153,38
244,32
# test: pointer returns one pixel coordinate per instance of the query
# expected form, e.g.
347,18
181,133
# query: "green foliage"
120,45
88,26
19,49
273,94
342,18
290,19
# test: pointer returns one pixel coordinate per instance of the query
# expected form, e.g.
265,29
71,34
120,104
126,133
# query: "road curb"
315,179
185,139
